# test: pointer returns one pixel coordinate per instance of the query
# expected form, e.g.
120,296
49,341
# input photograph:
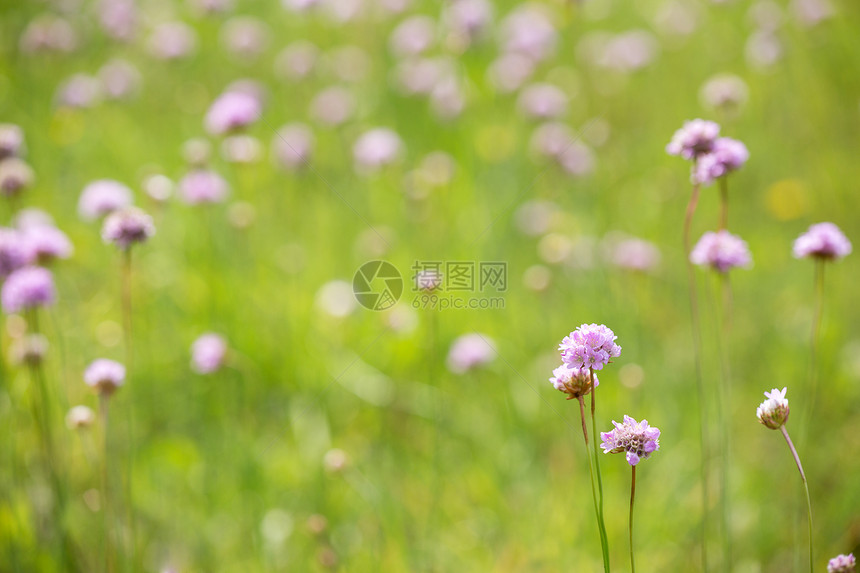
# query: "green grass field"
477,471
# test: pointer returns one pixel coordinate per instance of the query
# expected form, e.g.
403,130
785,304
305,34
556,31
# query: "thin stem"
43,415
599,479
600,530
805,489
815,335
125,272
700,386
724,404
632,497
108,530
724,203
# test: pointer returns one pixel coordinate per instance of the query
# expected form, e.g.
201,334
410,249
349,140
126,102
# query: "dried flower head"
695,139
637,439
589,346
105,376
29,349
822,241
80,417
11,140
773,412
722,251
26,288
126,227
841,564
575,382
15,176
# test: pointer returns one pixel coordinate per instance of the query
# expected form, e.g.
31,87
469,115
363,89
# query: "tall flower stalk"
125,228
105,377
823,242
637,440
25,291
712,157
773,414
588,348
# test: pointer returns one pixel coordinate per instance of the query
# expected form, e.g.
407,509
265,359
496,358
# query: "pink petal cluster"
126,227
721,251
726,155
637,439
203,186
232,110
102,197
470,351
105,376
695,139
842,564
589,346
208,353
26,288
822,241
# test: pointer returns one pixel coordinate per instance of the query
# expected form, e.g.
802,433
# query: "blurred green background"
479,471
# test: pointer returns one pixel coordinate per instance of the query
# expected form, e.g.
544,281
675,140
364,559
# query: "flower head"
102,197
637,439
773,412
105,376
29,349
575,382
15,176
11,140
44,243
208,352
822,241
203,186
470,351
589,346
722,251
29,287
695,139
13,251
727,155
127,227
841,564
376,148
232,110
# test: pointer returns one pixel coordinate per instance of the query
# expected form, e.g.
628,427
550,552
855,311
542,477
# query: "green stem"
106,501
632,497
600,530
724,403
815,335
599,479
700,385
724,203
805,489
42,413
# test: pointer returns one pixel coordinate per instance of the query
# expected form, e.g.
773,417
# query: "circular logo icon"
377,285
